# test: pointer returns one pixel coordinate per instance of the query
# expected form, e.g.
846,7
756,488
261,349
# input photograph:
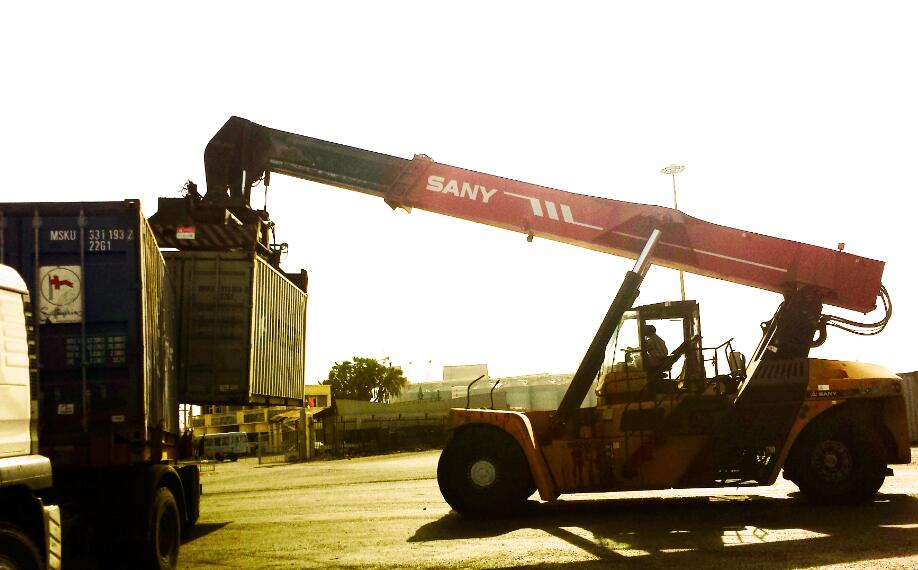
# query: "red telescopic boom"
243,152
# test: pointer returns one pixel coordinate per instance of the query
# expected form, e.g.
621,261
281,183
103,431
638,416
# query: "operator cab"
657,349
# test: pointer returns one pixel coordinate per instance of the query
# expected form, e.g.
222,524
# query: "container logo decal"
60,294
184,232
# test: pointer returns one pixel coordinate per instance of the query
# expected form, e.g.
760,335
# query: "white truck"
30,530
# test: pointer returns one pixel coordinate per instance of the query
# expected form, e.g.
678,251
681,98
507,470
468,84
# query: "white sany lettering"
435,183
469,191
452,187
460,188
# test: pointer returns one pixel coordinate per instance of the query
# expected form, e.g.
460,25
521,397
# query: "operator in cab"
655,346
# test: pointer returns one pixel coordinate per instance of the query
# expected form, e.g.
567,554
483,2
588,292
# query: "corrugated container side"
910,391
278,324
158,322
241,329
106,383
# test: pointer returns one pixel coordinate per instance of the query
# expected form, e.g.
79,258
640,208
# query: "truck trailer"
102,387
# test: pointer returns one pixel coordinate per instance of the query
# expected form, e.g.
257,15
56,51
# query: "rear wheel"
164,538
839,461
482,471
17,550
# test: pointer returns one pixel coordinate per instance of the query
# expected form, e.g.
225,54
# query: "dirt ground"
387,512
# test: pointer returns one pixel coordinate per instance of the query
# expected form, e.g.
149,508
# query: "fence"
359,436
277,454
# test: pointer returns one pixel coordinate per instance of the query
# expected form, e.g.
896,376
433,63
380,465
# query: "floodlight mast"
673,170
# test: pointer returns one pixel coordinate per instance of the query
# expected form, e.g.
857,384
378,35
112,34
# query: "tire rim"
832,461
483,473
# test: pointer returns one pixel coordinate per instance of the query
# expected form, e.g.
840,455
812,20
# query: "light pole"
673,170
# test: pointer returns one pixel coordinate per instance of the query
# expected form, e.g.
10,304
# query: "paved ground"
386,512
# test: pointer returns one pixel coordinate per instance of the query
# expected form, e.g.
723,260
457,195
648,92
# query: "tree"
365,379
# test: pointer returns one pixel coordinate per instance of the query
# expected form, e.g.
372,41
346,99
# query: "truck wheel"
164,538
482,471
839,462
191,483
17,551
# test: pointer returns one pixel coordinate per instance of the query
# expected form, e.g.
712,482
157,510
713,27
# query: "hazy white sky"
793,119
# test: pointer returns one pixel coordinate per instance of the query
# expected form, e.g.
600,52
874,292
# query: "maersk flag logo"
60,295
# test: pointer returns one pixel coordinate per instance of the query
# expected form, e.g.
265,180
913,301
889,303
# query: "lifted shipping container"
241,330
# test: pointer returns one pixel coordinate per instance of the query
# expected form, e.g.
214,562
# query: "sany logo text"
459,190
462,189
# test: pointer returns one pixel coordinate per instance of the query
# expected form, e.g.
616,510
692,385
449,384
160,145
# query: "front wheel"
17,550
839,462
483,471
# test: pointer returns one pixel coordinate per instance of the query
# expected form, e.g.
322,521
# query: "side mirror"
737,363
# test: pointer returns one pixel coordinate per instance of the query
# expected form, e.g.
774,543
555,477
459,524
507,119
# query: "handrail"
468,392
492,392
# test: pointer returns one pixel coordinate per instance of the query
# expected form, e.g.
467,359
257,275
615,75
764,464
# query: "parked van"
221,446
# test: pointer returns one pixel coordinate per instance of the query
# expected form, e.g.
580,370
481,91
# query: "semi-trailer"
98,315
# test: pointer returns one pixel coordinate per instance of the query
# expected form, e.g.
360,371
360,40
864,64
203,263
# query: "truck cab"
30,530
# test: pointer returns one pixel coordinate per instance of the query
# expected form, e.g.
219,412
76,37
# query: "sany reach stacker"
698,417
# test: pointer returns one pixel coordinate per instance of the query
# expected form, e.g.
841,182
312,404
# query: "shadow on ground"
200,530
751,531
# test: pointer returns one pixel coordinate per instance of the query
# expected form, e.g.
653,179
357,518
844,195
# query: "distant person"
655,346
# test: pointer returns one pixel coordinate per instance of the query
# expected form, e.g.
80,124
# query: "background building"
269,429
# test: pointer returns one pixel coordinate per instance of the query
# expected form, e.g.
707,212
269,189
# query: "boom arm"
242,153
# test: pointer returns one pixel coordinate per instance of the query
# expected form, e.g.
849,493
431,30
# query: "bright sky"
796,120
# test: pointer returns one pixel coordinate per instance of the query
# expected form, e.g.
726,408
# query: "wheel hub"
833,461
483,473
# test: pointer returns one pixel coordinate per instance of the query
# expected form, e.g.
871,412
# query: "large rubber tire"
162,545
17,550
839,461
191,483
483,472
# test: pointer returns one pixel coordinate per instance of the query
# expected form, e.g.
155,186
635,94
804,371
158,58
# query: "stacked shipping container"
103,311
123,336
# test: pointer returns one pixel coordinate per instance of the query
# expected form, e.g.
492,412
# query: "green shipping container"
241,330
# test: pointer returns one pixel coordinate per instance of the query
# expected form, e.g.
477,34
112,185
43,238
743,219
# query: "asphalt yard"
387,512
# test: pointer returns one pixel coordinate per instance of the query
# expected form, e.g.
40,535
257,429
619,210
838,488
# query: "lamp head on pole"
672,169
